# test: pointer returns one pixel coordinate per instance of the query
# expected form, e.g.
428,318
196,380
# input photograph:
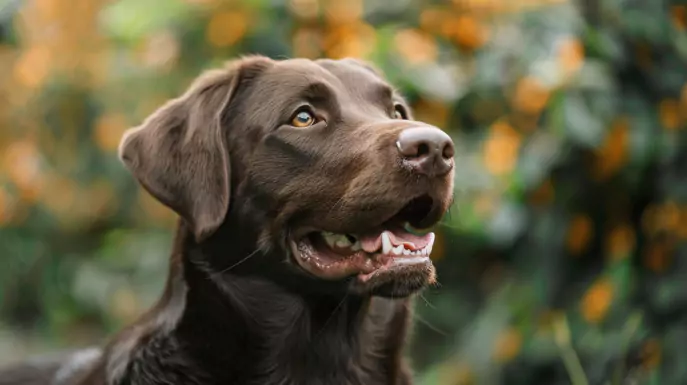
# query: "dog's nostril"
422,150
427,150
448,151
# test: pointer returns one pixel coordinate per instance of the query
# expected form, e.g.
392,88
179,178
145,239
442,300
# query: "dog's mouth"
396,242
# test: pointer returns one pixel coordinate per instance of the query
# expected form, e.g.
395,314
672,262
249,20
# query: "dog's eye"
303,119
400,112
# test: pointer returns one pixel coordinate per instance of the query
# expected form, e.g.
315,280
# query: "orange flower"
508,345
343,11
304,9
657,256
667,216
22,161
468,32
681,229
432,19
61,198
669,113
620,241
597,301
570,56
431,111
613,153
455,374
226,28
108,131
580,232
33,67
5,205
501,148
153,210
683,102
350,40
416,46
530,95
651,354
679,16
307,42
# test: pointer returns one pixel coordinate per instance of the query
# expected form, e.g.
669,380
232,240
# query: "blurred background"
563,260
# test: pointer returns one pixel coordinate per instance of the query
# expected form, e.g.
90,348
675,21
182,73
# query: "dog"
304,191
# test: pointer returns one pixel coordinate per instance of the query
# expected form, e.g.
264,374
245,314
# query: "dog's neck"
244,329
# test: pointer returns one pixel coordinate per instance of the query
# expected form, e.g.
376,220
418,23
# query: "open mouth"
395,242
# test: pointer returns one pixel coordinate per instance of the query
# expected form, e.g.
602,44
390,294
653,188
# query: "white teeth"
411,260
430,244
386,243
400,250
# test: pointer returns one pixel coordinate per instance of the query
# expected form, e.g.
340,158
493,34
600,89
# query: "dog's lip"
377,251
380,247
363,264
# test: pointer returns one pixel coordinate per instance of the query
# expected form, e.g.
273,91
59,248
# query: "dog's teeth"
398,250
341,241
386,243
430,244
330,238
406,252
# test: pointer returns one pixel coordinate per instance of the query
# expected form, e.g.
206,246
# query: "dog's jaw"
207,317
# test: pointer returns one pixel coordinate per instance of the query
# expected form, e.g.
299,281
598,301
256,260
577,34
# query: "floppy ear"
179,154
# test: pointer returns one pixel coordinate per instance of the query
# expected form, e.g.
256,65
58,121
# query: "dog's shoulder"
157,358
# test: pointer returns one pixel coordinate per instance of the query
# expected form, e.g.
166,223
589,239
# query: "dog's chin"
396,282
390,259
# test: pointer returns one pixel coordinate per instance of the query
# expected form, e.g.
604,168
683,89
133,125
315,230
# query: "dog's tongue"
372,242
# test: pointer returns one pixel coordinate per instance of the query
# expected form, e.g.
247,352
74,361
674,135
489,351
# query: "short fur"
236,308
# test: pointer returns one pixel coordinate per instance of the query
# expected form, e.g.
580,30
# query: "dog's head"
319,162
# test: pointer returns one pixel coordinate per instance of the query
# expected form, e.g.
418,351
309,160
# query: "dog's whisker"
426,323
331,316
244,259
426,301
335,205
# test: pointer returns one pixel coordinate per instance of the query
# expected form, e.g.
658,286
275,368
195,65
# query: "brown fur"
237,309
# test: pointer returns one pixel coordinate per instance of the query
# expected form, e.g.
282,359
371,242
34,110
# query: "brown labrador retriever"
300,186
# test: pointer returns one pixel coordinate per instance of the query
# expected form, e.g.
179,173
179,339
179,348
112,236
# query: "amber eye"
303,119
399,112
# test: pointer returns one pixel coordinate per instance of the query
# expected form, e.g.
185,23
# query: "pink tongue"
373,242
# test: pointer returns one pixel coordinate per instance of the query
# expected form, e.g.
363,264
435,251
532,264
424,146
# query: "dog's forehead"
343,75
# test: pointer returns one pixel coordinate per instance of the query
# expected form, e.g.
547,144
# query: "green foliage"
561,261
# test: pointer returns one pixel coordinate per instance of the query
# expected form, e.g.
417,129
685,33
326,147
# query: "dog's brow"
317,91
385,92
382,93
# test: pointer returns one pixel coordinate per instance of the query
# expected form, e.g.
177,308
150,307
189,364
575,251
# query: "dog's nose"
428,150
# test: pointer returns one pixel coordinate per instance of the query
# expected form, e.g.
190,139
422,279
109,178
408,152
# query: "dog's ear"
180,155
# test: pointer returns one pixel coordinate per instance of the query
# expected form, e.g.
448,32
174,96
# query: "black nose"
427,150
